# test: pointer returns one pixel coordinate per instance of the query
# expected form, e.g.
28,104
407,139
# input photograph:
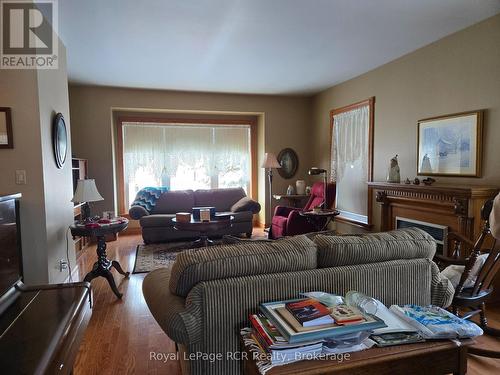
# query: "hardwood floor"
122,333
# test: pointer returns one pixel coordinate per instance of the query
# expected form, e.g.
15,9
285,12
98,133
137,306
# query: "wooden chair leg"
474,350
482,316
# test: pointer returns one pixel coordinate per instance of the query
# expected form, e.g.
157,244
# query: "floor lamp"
270,162
317,171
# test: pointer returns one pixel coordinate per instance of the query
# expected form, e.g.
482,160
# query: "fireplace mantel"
455,206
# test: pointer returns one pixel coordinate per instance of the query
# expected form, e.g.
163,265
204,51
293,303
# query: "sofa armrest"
176,316
136,212
246,204
284,210
442,290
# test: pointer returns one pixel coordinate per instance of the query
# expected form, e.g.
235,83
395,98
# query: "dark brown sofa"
157,225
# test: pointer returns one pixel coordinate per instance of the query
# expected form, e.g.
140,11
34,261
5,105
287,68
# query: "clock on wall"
59,140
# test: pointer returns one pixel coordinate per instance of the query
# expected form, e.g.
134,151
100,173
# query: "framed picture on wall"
6,138
450,145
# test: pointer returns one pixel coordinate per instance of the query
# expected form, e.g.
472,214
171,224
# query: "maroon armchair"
287,220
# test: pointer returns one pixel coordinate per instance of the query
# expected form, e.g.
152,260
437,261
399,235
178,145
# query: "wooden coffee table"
429,358
204,228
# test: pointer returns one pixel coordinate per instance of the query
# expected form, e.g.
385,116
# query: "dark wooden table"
42,327
103,265
204,228
320,219
429,358
293,200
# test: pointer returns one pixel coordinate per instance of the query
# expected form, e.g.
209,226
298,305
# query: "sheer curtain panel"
185,156
349,162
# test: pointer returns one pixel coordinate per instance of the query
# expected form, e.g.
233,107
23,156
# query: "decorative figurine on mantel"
428,181
407,181
394,175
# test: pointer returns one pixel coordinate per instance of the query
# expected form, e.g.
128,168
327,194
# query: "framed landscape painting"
450,145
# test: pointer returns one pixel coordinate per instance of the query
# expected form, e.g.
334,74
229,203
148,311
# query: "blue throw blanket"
148,196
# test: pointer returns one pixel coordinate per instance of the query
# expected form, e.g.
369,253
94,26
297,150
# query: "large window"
184,156
351,160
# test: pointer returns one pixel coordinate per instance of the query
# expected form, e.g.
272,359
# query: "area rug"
154,256
161,255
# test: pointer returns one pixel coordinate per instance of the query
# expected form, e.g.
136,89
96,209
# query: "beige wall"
57,183
458,73
19,92
46,210
283,122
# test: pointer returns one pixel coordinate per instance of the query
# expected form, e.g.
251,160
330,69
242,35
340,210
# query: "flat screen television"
10,242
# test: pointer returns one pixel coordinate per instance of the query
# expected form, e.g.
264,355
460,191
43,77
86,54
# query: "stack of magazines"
293,330
279,350
293,319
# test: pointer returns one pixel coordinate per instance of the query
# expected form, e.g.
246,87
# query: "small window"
351,160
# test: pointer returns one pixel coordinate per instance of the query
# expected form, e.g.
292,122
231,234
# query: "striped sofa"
205,298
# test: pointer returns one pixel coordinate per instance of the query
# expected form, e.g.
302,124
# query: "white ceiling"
250,46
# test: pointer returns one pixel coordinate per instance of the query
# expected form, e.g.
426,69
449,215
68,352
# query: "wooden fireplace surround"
456,206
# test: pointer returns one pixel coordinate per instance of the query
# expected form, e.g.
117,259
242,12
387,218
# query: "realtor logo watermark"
29,34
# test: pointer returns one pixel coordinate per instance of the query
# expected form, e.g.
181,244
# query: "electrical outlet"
63,265
20,177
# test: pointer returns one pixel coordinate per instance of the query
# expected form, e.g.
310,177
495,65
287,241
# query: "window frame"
370,102
120,167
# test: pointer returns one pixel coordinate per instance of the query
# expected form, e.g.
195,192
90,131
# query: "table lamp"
86,192
314,171
270,162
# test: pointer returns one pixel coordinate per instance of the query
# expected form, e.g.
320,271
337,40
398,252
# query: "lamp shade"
270,161
86,191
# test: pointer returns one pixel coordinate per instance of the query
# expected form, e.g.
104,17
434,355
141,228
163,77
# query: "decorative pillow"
454,272
410,243
148,196
250,258
174,201
246,204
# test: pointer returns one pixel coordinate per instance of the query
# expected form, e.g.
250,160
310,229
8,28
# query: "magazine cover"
436,323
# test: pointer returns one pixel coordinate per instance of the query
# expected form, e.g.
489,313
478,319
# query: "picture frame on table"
450,145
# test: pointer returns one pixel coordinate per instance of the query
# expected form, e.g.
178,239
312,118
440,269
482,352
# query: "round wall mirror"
59,140
289,162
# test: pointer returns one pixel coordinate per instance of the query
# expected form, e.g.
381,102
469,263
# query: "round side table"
103,265
320,219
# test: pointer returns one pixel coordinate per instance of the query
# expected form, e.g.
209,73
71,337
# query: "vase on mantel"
300,187
289,190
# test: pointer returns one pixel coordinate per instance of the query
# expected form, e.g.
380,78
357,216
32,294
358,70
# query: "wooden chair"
473,299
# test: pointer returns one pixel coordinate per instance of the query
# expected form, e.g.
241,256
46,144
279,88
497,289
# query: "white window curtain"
349,162
185,156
